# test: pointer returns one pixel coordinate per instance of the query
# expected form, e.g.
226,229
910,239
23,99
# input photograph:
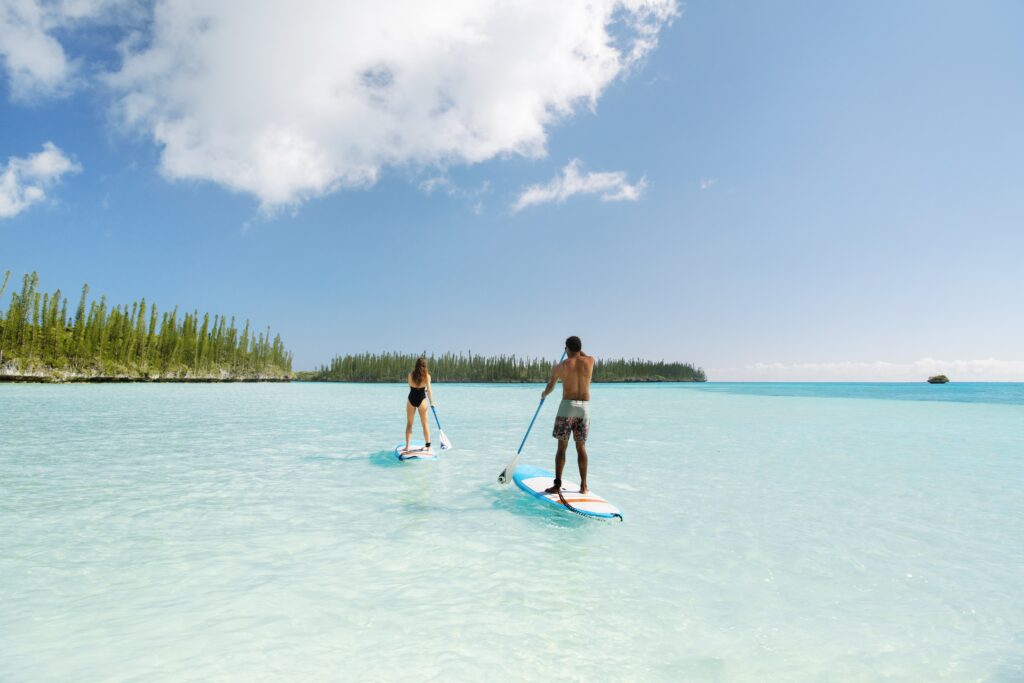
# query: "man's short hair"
574,344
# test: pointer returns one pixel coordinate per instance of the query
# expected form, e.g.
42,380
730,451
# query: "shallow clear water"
260,532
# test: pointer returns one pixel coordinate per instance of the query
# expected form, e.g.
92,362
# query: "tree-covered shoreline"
449,367
40,341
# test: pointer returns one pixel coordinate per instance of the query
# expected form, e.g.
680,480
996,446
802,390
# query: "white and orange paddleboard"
534,480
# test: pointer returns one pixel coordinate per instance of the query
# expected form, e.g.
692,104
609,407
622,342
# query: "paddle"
445,443
506,474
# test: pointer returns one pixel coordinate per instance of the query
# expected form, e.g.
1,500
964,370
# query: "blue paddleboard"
417,451
534,480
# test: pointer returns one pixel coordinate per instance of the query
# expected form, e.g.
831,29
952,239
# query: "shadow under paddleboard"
385,459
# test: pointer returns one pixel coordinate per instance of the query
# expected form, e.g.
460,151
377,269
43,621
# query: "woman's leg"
410,413
425,422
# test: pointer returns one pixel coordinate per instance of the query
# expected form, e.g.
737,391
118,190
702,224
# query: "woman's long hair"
419,373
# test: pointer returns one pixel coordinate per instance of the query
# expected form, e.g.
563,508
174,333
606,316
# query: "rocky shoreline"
12,373
35,379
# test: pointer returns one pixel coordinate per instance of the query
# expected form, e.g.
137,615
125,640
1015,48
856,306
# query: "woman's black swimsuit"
416,396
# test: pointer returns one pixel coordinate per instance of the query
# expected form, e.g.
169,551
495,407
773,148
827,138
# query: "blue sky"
797,190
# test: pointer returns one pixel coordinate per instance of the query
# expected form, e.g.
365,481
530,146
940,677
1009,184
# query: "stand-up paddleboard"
417,451
534,480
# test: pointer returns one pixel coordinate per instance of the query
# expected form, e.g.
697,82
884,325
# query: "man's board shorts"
573,416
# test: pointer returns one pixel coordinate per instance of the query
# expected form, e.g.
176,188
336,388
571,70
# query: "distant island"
938,379
40,342
448,367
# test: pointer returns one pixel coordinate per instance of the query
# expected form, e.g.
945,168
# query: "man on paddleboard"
573,416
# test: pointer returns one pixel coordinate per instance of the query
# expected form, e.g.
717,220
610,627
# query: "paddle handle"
434,411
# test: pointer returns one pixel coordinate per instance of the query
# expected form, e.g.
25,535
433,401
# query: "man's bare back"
576,373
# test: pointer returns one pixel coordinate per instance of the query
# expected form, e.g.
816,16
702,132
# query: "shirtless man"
573,416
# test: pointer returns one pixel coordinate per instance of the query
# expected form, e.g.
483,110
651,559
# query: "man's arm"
551,382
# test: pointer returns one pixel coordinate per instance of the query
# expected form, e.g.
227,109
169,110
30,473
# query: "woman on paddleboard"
419,390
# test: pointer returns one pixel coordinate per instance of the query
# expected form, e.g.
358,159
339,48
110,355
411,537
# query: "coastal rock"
15,371
938,379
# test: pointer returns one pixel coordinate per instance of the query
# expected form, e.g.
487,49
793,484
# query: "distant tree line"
137,340
448,367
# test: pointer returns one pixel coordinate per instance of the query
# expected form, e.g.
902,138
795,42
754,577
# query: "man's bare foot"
584,489
553,489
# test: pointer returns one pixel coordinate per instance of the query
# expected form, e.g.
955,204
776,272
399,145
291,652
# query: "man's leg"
581,460
559,465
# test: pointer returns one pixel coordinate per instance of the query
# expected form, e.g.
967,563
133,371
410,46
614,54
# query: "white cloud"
472,195
612,186
24,180
287,104
36,63
34,60
707,183
988,369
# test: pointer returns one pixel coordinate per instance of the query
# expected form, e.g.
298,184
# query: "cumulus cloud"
611,186
34,60
988,369
288,104
707,183
25,180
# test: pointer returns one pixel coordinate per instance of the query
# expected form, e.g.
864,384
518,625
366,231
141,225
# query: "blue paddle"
445,443
506,474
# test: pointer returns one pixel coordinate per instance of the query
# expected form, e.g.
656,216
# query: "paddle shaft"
506,474
445,443
535,414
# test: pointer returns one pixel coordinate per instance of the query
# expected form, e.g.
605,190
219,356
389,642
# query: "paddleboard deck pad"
417,451
534,480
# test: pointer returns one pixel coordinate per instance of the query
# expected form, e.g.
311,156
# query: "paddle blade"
445,443
506,474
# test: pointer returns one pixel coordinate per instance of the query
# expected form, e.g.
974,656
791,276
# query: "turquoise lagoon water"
262,532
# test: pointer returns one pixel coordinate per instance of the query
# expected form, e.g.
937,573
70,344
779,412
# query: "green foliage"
36,332
395,367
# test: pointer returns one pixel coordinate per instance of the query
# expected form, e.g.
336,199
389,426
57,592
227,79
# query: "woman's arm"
429,392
